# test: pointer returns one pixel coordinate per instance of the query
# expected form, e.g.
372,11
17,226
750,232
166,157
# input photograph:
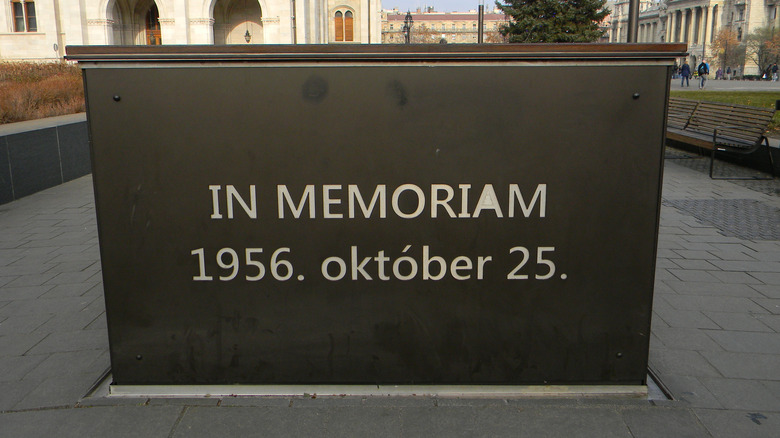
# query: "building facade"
696,23
433,27
40,29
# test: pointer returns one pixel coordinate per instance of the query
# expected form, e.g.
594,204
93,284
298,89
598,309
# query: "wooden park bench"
719,127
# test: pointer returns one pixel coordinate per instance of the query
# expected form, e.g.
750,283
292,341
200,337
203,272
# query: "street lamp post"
408,22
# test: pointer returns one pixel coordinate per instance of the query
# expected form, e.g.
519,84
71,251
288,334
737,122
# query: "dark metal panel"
35,161
161,137
6,184
74,150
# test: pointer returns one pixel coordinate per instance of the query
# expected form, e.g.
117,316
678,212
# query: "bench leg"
771,166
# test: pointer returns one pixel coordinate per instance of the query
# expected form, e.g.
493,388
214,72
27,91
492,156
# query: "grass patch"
31,90
764,99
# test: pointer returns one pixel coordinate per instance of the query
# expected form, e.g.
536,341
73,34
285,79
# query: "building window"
153,31
24,16
344,26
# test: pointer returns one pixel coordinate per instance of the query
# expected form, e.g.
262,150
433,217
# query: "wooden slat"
694,123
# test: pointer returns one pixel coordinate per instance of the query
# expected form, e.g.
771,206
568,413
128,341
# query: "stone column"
684,26
705,34
202,30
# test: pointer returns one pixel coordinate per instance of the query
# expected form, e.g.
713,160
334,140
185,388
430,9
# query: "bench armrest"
757,144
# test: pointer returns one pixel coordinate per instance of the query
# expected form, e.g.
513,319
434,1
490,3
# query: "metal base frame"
478,391
771,164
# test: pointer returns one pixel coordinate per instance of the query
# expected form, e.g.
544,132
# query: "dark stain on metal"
315,89
756,417
397,92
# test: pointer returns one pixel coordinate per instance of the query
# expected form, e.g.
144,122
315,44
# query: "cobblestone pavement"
715,341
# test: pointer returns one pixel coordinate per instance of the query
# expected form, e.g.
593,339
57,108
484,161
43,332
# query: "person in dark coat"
703,69
685,72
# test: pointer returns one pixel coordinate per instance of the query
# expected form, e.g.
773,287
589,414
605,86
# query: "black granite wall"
38,159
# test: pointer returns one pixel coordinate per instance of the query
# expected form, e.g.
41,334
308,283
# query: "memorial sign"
378,215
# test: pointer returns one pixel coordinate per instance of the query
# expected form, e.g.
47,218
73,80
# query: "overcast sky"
438,5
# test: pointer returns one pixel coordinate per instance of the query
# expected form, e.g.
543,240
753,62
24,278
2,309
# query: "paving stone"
703,265
667,263
31,279
693,275
664,275
753,267
23,293
58,391
741,394
692,255
19,344
773,386
687,318
768,290
771,321
690,391
663,423
681,363
661,287
47,306
714,303
734,277
686,339
745,365
412,421
705,288
770,304
22,324
12,393
738,321
712,239
14,368
115,422
72,341
747,342
733,255
64,365
772,278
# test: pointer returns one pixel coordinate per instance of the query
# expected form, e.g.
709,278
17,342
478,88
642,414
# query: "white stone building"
695,22
40,29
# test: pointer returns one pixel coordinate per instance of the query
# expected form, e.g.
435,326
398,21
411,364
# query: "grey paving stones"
122,421
714,344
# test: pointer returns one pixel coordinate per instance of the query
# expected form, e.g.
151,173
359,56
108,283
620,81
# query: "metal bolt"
117,98
619,355
635,96
138,357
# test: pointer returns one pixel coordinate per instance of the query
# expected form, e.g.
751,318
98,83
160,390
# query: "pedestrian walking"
685,72
774,72
703,69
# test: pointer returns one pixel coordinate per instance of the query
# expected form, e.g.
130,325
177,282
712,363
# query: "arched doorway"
152,26
133,22
238,22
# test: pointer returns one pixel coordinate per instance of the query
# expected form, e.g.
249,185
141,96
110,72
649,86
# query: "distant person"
703,69
685,72
774,72
728,73
719,73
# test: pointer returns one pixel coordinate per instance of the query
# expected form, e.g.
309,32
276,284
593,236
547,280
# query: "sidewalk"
715,339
